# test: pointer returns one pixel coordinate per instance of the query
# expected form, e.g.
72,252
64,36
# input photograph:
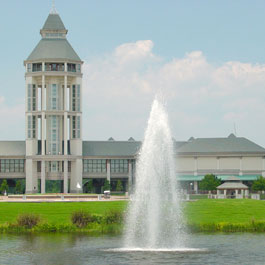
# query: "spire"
53,10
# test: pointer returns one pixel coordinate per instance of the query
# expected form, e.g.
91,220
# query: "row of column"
43,177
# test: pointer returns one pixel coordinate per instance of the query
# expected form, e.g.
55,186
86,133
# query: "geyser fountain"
154,220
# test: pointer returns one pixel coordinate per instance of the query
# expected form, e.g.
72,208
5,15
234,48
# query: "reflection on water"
57,249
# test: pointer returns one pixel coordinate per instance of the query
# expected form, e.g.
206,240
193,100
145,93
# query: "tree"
4,186
119,186
210,182
18,187
106,185
259,184
89,186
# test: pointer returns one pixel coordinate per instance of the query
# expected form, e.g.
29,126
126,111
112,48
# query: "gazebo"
232,188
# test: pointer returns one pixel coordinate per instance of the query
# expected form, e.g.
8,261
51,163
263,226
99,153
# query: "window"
54,67
29,67
54,97
31,127
76,98
76,124
119,166
54,166
12,165
79,68
54,122
37,67
71,67
95,165
32,97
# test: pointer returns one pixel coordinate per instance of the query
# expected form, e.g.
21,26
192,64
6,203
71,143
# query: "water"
69,249
154,218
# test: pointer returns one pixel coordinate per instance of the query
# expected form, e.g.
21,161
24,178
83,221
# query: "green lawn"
55,212
197,212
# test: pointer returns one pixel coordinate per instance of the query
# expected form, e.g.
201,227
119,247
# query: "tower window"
71,67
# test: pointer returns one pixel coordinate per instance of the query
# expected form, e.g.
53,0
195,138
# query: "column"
195,166
224,194
43,114
237,194
65,117
246,194
108,170
43,177
130,176
65,177
196,186
240,166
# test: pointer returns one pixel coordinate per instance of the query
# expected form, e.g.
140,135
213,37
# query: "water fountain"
154,219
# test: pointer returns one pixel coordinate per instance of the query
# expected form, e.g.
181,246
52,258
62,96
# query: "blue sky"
219,44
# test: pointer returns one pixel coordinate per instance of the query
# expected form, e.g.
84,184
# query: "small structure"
232,188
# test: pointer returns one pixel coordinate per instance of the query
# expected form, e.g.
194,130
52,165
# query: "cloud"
204,99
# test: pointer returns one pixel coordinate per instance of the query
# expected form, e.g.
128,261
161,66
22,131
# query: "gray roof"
53,22
53,49
110,148
12,148
231,144
232,185
232,178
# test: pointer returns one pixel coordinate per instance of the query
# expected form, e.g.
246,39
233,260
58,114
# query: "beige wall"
229,163
252,163
185,164
207,163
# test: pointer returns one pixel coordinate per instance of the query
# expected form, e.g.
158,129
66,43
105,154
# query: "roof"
12,148
53,22
110,148
53,49
232,178
231,144
232,185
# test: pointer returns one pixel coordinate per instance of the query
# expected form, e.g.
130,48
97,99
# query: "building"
54,156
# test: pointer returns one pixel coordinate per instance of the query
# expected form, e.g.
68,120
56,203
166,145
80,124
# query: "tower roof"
53,49
53,22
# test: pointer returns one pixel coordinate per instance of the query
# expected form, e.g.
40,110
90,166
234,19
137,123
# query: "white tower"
53,110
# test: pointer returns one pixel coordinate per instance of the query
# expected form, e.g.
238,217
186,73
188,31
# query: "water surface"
72,249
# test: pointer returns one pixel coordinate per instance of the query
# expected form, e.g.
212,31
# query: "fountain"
154,220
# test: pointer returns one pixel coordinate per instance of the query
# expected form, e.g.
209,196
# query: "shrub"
81,218
119,186
113,217
4,186
106,185
28,220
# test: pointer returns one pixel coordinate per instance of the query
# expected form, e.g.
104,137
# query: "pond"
73,249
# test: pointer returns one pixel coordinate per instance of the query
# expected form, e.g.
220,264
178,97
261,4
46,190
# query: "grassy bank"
201,216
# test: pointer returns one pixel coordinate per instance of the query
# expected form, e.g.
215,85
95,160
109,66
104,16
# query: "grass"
202,215
56,212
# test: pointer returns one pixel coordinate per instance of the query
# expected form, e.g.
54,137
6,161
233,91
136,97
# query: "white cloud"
204,100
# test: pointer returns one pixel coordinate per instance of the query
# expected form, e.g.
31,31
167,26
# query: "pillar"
224,194
108,170
130,176
43,114
65,177
43,178
196,186
65,117
246,193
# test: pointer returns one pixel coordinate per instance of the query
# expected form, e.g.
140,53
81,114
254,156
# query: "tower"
53,110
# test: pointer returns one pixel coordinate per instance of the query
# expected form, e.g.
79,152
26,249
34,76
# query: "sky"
207,58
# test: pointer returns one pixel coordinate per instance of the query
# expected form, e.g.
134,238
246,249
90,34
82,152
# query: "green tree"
106,185
4,186
18,188
119,186
89,186
209,182
259,184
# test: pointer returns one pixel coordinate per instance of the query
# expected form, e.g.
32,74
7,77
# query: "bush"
113,217
119,186
28,220
106,185
4,187
81,218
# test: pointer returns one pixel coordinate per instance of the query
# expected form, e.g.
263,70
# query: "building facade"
55,158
